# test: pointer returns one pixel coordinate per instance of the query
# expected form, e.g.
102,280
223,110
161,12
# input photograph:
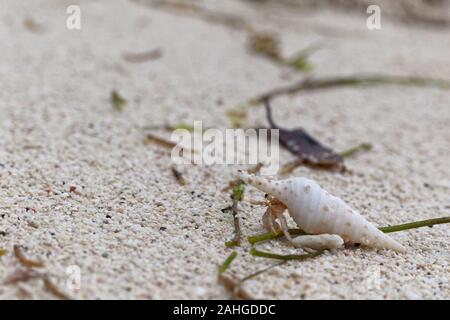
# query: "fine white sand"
133,231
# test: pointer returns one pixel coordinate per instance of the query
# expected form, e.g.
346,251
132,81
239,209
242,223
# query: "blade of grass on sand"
263,254
257,273
226,264
401,227
117,101
358,80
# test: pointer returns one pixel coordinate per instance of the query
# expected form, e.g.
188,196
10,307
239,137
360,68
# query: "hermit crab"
318,213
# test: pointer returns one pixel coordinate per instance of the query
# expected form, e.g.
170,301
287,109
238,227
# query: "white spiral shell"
318,212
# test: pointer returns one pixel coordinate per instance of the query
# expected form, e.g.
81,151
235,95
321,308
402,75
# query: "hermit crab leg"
269,221
284,227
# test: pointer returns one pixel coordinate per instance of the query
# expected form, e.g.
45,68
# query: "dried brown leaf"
304,146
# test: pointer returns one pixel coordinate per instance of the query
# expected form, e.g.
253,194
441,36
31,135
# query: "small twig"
291,166
226,264
53,289
233,286
257,253
24,260
237,196
32,224
142,56
29,274
257,273
167,144
178,176
151,138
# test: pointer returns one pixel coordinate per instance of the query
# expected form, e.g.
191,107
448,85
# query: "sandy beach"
80,189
